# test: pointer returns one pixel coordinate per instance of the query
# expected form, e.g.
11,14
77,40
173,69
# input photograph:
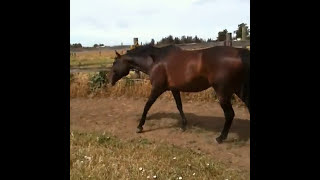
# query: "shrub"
98,81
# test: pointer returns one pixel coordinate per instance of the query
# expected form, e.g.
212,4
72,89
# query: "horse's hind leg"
176,95
244,94
229,115
155,93
225,103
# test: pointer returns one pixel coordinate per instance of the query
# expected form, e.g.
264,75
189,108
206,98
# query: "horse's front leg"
155,93
177,97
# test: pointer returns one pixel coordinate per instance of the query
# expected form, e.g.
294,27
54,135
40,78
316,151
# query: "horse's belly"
194,85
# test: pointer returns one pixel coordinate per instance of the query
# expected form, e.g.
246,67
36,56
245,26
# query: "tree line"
78,45
188,39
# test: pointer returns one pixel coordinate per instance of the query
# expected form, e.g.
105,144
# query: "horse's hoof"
219,140
182,129
139,129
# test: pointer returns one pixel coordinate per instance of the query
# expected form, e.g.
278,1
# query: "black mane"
152,50
140,49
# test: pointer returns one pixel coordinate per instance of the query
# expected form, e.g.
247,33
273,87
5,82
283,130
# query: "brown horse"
226,69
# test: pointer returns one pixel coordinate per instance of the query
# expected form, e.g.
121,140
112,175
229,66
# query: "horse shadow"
241,127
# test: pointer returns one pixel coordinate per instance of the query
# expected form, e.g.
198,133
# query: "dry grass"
79,87
92,59
101,156
79,83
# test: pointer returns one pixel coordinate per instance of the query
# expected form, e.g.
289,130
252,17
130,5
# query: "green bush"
98,81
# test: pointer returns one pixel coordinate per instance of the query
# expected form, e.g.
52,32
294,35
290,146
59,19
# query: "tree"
183,39
101,45
222,35
170,39
209,40
177,40
76,45
95,45
152,42
166,40
189,39
196,39
238,32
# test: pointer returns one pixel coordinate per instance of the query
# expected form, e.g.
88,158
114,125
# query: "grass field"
103,144
92,59
103,156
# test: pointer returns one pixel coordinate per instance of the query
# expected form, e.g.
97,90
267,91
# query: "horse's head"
139,58
120,68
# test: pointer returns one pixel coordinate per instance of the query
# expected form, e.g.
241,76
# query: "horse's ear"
118,55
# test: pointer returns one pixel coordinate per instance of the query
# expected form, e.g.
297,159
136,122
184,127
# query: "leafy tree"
76,45
209,40
177,40
183,39
152,42
222,35
238,32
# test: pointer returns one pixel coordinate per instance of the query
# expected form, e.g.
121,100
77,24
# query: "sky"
112,22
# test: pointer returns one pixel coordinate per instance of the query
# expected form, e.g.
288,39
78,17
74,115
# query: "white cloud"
113,22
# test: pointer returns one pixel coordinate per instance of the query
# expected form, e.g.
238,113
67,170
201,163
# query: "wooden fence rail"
190,46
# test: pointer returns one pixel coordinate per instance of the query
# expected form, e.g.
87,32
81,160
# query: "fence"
190,46
237,44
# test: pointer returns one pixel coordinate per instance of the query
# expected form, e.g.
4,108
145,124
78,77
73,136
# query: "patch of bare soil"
120,117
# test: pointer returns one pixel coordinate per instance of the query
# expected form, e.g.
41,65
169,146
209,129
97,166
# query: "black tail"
244,94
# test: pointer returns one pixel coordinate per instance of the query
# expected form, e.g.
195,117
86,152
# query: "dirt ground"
120,117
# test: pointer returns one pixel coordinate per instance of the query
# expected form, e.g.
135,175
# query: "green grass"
102,156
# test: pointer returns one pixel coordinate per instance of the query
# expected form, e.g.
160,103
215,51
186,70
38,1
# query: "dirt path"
120,116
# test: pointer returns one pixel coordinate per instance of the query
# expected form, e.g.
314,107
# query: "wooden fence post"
244,33
228,41
135,41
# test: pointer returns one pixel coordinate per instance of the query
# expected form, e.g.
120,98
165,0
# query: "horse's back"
198,70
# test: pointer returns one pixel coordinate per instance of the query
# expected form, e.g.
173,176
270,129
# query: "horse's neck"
161,53
142,65
155,55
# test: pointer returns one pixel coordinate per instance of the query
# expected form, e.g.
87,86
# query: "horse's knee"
229,114
228,110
